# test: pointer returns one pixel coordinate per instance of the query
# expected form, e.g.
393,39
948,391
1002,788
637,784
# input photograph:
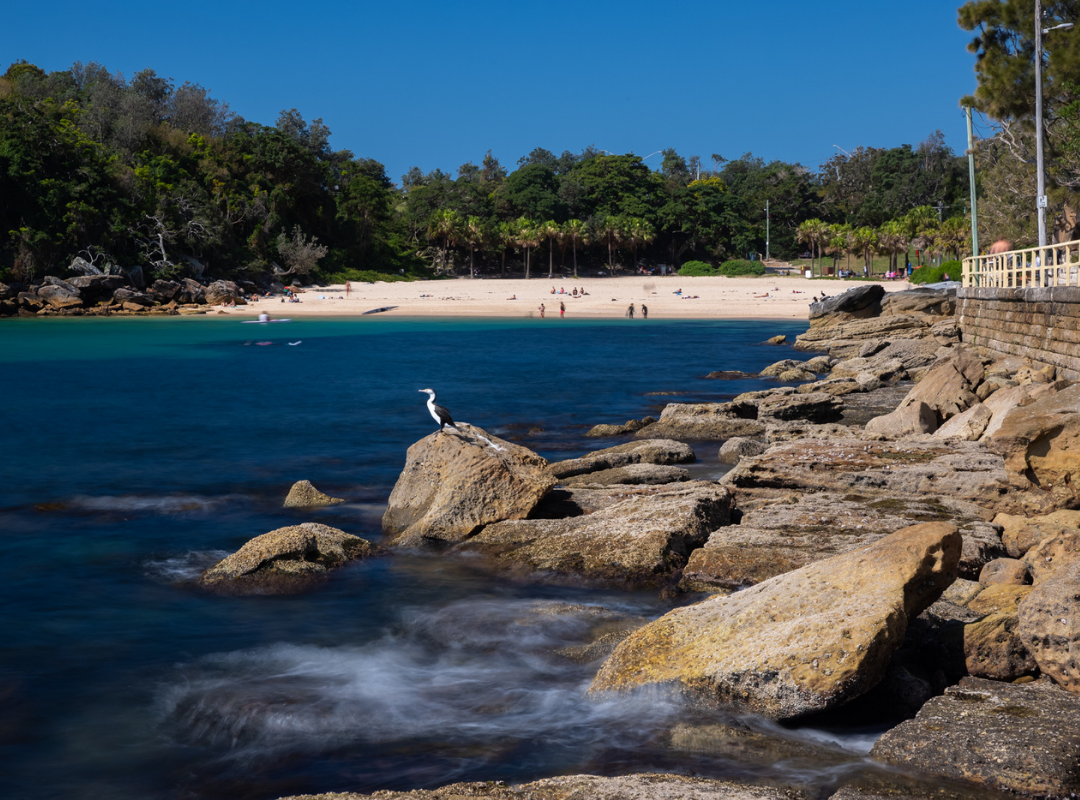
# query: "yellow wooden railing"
1034,267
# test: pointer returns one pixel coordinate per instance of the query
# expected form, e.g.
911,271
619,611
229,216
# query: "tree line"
142,172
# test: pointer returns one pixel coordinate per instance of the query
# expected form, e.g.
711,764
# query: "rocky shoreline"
897,542
94,293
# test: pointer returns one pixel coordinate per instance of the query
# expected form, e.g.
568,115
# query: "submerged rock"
455,483
1018,737
799,643
304,495
285,560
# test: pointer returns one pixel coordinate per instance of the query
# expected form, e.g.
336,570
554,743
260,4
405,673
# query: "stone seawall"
1039,324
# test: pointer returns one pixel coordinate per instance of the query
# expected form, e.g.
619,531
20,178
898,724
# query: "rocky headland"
92,292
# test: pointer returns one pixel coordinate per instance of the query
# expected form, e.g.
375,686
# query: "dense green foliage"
144,172
928,274
739,267
697,269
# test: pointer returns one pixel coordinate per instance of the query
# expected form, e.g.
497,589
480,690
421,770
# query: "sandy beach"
770,297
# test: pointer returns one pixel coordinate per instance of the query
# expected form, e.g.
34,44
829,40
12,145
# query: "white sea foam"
182,568
160,504
471,673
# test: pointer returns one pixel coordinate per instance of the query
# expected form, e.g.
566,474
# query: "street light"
1040,171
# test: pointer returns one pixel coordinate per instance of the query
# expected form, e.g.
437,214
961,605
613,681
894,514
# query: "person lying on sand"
759,296
512,297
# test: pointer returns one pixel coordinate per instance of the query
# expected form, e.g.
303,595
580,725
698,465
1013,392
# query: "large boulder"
1041,445
455,483
949,387
132,297
223,292
648,451
285,560
641,541
967,425
60,296
83,267
922,300
304,495
1050,626
95,288
701,422
799,643
163,291
790,532
907,420
858,302
643,786
1021,738
191,291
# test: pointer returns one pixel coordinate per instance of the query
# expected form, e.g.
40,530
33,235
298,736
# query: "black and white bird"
440,414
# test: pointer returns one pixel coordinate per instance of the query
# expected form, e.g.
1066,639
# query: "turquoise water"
137,452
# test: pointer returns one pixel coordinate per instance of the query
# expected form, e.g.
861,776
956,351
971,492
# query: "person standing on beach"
644,311
630,311
541,311
348,288
562,310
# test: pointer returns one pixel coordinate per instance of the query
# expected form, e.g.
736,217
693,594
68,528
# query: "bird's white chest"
434,413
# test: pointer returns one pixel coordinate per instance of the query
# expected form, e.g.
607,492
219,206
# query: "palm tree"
551,231
921,225
506,237
639,232
445,224
815,233
472,233
838,243
527,235
892,237
610,229
953,235
864,240
574,230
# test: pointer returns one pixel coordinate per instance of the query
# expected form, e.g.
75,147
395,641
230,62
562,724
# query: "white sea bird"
438,413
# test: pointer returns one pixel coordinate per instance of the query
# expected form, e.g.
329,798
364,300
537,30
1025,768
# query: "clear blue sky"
437,84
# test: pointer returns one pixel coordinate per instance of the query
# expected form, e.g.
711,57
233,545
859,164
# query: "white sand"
702,298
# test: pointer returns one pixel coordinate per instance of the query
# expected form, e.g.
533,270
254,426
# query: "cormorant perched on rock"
440,414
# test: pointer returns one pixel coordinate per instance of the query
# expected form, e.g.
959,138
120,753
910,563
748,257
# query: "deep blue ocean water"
138,451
